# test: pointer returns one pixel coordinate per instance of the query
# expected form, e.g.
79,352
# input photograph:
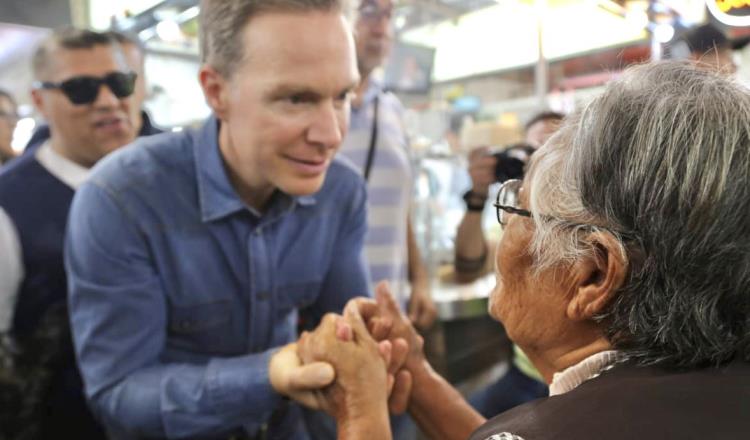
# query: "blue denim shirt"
179,292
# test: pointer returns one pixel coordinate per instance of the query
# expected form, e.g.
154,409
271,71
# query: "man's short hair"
124,38
70,38
222,23
6,94
543,116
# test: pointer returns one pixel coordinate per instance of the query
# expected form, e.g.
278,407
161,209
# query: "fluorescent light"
505,36
663,32
169,30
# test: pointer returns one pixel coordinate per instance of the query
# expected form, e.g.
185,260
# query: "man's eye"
295,99
345,96
302,98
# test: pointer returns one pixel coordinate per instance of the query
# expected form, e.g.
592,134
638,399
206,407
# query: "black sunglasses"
84,89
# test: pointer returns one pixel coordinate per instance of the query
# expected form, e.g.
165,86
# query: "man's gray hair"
70,38
661,160
222,25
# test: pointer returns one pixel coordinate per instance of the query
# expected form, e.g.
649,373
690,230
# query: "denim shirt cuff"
242,382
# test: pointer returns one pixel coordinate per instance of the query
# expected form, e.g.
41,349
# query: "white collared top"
579,373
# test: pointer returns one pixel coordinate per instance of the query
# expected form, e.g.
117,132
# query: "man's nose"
326,128
106,98
380,24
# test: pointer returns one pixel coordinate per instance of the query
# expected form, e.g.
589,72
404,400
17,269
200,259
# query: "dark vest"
629,402
38,203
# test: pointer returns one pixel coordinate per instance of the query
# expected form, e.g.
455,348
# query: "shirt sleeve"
348,276
11,271
118,313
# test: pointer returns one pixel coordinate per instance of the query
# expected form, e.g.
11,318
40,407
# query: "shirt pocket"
297,295
204,328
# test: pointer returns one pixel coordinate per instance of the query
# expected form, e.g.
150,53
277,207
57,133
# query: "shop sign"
730,12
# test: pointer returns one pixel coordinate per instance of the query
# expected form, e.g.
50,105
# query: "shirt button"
259,231
186,325
263,296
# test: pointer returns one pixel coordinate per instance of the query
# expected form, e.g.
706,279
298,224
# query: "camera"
511,161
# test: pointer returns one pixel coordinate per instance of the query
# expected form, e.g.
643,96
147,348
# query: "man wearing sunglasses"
133,51
83,87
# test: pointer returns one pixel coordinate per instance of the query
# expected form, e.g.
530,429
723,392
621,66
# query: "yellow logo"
730,12
729,5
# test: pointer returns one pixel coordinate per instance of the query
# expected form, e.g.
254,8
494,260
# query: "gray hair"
661,160
222,25
70,38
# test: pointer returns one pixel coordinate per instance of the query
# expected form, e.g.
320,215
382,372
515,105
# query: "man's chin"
302,186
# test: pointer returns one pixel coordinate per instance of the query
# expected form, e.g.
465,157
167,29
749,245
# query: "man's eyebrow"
288,89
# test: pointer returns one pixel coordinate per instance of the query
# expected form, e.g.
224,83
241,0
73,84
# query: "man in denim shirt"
189,254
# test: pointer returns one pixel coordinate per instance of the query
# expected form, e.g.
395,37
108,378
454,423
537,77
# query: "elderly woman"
623,272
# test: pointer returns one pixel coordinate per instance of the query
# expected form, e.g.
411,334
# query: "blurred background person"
623,273
377,143
541,127
134,54
84,89
8,121
472,249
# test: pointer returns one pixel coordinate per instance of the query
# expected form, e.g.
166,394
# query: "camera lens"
512,161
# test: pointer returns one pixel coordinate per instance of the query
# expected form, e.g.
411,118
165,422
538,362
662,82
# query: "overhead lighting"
663,32
146,34
169,30
188,14
400,22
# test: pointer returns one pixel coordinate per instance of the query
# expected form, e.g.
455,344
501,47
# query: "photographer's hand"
482,170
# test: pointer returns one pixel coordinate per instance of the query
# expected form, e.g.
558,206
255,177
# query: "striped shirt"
389,186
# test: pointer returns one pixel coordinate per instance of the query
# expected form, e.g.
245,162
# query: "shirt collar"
579,373
69,172
374,87
216,194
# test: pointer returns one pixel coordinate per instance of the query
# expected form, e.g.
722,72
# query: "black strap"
373,139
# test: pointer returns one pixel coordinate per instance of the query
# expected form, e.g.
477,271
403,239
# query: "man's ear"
215,89
38,100
597,277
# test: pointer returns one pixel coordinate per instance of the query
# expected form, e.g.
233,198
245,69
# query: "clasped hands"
355,365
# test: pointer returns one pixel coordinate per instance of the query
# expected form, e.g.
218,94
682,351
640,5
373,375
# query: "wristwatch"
474,201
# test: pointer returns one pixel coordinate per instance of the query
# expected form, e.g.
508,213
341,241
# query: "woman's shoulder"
635,402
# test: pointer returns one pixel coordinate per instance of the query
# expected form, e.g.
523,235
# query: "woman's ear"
598,277
215,89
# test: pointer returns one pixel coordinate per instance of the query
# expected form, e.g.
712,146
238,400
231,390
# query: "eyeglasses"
507,202
84,89
372,13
